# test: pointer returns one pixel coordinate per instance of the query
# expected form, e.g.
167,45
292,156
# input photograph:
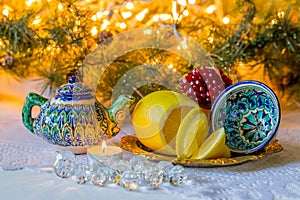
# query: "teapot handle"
32,100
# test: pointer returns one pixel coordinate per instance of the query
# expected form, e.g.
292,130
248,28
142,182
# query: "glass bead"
136,162
164,165
64,168
66,155
115,177
130,180
94,165
177,179
177,169
148,167
153,179
81,173
121,165
177,175
100,177
139,167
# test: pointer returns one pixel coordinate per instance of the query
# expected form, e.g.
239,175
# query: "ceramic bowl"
249,111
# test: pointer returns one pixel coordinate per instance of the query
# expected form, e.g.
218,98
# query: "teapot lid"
74,91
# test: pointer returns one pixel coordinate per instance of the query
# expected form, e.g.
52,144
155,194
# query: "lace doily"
19,156
275,176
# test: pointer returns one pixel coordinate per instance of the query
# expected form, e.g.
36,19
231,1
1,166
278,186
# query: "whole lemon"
157,117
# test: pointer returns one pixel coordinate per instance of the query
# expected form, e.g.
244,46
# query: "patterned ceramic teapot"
74,118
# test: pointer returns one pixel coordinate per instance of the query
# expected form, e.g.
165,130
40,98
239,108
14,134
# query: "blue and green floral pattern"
74,117
68,125
250,113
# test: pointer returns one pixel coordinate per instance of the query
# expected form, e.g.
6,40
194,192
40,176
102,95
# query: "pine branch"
17,36
59,44
233,48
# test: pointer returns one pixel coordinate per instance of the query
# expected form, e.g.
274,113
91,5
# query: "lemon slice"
191,133
156,119
213,147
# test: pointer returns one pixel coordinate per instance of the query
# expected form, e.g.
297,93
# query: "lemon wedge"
191,133
156,119
213,147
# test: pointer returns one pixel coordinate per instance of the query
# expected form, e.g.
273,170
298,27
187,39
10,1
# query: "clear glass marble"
137,163
153,179
163,165
64,168
65,155
177,175
121,165
100,177
177,179
131,180
81,173
64,164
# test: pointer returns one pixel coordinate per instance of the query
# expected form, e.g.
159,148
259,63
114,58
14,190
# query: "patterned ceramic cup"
250,113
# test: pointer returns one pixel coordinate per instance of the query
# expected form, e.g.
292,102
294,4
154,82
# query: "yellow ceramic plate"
131,143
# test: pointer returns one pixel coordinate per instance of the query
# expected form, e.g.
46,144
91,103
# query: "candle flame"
103,146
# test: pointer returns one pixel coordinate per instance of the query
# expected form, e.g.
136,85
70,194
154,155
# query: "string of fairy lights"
104,15
50,37
101,18
129,12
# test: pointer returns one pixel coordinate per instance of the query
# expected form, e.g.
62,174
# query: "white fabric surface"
26,160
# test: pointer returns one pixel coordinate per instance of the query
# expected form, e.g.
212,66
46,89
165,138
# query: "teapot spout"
117,111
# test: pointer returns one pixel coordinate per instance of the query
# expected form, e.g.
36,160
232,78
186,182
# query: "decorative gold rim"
131,143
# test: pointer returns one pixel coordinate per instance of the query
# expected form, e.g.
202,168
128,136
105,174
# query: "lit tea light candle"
105,153
103,146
